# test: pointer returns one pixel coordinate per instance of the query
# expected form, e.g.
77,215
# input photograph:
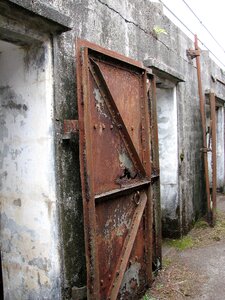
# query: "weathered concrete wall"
168,156
220,147
28,232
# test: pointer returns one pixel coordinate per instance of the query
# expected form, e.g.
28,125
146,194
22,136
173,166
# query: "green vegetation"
159,286
201,224
181,244
148,297
166,262
158,30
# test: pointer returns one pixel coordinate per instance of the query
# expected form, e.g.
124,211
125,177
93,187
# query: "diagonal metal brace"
127,248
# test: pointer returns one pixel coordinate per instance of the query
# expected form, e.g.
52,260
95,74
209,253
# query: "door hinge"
205,150
70,127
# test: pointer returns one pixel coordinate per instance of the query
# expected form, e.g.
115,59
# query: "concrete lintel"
163,71
15,33
55,21
219,97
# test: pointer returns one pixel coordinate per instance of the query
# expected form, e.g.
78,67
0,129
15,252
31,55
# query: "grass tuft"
201,224
182,244
166,262
148,297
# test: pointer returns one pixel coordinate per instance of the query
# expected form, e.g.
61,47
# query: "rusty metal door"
115,172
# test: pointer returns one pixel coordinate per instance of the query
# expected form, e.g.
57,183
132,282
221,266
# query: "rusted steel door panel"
115,172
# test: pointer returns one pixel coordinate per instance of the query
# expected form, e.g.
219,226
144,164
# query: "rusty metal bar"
110,53
145,125
92,264
148,237
127,248
122,191
202,110
214,175
157,255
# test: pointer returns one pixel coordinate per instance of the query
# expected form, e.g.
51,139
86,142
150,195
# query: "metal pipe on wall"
203,119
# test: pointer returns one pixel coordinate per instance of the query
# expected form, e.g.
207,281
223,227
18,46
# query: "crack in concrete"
133,23
125,19
142,29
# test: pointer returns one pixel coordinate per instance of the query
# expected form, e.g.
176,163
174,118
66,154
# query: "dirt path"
194,267
208,261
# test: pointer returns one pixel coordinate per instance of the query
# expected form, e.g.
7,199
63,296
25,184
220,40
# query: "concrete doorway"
168,156
27,189
220,144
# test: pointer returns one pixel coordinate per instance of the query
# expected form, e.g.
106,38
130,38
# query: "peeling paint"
130,279
99,102
117,224
127,166
41,263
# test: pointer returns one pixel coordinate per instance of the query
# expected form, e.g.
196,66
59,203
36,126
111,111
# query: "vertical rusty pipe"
214,181
202,110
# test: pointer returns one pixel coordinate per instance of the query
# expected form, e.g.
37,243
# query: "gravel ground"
194,267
